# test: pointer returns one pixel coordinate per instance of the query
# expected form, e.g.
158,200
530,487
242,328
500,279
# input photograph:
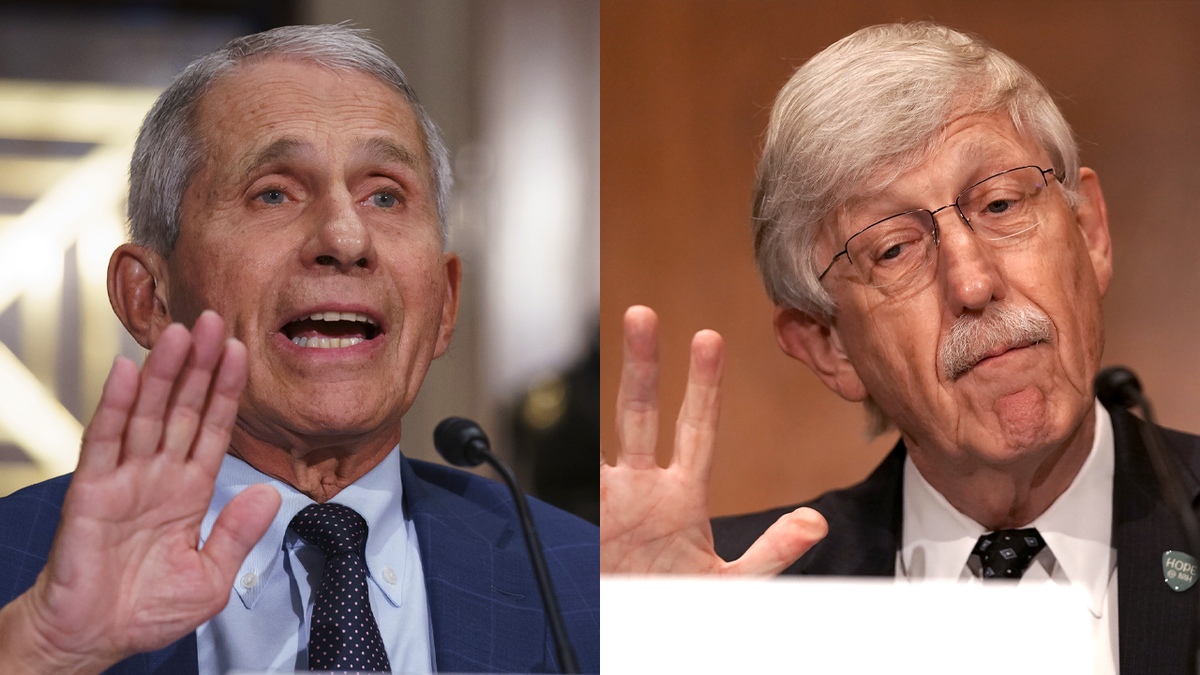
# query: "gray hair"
170,146
863,112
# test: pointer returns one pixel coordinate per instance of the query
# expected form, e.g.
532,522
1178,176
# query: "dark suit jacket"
1155,622
484,603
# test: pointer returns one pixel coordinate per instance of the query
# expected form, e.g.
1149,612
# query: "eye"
383,200
273,197
999,206
895,247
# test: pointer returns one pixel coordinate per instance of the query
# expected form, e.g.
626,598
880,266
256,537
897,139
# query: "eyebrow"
387,151
280,150
983,151
380,149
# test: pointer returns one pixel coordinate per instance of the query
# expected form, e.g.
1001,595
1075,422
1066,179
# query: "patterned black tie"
343,635
1006,554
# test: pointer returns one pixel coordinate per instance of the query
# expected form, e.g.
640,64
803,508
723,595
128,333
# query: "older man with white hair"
242,502
935,251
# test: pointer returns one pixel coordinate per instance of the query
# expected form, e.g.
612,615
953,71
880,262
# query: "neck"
318,467
1010,494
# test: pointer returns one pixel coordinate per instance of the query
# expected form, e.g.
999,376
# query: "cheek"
420,279
1065,287
894,344
217,282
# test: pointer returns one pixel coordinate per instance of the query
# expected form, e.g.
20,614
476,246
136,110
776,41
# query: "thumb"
242,522
783,543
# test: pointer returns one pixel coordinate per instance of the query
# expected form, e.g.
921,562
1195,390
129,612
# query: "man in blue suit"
287,201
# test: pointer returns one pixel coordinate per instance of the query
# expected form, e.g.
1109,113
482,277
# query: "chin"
1026,424
1023,417
330,413
341,421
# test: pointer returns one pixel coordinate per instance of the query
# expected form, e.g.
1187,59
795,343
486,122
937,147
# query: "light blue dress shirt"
265,625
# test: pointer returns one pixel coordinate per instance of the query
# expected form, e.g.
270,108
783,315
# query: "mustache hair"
974,335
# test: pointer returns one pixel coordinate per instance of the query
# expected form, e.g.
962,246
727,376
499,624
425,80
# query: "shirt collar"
1077,527
377,496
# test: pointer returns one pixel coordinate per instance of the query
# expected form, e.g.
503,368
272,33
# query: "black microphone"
462,443
1117,386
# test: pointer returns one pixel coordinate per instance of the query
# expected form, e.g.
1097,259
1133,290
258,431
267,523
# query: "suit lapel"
478,579
1155,622
865,525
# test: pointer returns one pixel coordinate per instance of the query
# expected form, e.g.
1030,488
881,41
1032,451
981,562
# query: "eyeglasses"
999,209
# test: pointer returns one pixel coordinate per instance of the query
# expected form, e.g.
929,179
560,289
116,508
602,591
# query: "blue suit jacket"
484,603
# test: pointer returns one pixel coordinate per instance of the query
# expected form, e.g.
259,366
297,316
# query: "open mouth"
331,330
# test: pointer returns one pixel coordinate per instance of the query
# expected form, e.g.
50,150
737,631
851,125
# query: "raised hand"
655,520
125,574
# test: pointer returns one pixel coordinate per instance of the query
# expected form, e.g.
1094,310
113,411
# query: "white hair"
862,113
170,146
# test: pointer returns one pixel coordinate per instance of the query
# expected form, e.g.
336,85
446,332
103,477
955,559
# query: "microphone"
462,442
1117,386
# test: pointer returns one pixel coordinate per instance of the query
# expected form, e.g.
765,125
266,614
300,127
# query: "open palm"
126,573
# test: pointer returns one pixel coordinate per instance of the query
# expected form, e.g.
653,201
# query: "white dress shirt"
1077,528
265,626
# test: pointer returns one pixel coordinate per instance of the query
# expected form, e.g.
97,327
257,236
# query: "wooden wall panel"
685,90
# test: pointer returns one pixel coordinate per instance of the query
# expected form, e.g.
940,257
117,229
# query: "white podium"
657,625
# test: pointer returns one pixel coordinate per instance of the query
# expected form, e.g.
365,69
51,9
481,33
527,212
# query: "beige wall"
686,88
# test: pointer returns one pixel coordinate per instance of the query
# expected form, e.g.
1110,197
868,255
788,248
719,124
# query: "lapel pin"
1179,570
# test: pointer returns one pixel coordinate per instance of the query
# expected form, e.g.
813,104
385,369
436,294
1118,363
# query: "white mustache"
973,336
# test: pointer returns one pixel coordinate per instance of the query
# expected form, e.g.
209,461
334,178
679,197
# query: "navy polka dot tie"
343,634
1006,554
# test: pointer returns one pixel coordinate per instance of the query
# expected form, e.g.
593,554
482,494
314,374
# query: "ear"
137,291
815,342
1092,215
453,267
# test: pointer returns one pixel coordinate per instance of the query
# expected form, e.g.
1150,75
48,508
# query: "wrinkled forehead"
255,105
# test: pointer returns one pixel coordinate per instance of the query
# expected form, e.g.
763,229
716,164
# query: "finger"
240,525
696,428
637,395
187,404
783,543
101,447
162,367
221,412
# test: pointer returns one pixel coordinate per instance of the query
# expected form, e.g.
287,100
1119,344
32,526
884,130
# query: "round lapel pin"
1179,570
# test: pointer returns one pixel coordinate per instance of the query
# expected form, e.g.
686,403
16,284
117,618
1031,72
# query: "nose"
339,238
967,267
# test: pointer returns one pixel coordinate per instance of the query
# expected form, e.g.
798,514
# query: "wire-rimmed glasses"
999,209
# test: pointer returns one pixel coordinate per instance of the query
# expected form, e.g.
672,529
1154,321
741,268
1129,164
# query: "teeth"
341,316
327,343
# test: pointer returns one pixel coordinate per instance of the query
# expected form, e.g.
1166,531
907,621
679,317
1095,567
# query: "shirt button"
249,579
389,575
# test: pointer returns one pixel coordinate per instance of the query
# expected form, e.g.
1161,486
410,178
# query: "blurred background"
514,86
687,92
